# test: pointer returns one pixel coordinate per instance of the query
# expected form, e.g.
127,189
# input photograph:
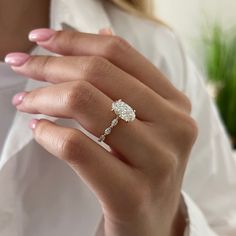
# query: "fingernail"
106,31
40,35
33,124
16,58
18,98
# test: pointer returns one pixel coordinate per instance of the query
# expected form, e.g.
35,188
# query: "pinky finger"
98,168
106,31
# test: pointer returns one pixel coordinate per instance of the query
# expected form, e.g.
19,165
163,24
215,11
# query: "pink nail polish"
33,124
106,31
16,58
40,35
18,98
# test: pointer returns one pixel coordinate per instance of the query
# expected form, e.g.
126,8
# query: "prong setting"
123,111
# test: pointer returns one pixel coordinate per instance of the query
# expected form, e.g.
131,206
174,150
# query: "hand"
138,183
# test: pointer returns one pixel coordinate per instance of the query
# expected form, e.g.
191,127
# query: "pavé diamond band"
124,112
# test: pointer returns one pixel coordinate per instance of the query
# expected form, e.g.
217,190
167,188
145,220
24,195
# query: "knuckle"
116,45
167,164
31,100
79,96
186,103
189,131
71,148
63,38
46,62
192,129
67,144
39,131
40,66
32,61
94,63
183,102
95,67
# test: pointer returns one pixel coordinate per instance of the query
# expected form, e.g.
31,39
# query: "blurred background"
178,12
208,30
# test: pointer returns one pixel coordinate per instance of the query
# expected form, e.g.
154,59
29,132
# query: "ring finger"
83,102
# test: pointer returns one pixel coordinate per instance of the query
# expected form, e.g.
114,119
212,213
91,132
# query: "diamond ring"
124,112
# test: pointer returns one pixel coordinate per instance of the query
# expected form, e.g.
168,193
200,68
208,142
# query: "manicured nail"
16,58
18,98
106,31
33,124
40,35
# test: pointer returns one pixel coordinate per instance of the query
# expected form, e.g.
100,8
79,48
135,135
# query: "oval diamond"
123,110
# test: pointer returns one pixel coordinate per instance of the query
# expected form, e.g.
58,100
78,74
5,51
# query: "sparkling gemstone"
114,122
108,131
123,110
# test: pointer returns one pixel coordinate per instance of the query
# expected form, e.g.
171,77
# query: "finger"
101,73
105,31
113,48
98,168
92,109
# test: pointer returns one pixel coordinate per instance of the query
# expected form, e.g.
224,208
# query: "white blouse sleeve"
196,223
210,179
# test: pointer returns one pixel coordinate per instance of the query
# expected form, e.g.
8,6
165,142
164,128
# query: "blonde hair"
142,8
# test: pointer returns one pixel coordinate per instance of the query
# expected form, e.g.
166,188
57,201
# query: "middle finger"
111,80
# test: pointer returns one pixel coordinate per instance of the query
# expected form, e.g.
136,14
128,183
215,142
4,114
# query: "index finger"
115,49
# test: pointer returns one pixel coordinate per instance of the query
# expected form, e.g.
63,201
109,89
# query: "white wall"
188,16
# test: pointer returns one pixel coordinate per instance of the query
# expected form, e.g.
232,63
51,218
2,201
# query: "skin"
138,183
17,18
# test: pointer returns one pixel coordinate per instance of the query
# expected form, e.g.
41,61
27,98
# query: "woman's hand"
139,182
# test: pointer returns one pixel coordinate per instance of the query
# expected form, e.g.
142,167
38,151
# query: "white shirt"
41,196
